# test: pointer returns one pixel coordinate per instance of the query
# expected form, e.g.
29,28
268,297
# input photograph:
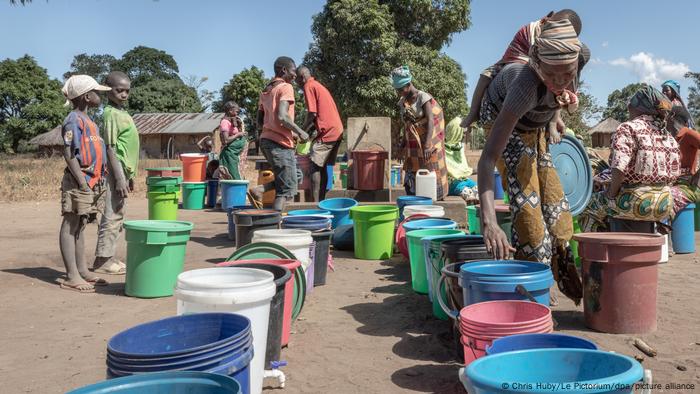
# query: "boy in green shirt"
122,141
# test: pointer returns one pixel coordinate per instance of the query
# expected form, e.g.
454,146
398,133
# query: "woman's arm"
495,239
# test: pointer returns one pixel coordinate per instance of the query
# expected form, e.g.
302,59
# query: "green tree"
143,64
206,97
163,95
244,88
96,66
617,102
694,97
30,102
588,110
358,42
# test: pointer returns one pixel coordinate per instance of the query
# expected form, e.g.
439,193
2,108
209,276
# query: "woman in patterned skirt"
424,130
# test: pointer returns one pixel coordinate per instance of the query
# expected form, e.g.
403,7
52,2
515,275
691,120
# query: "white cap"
77,85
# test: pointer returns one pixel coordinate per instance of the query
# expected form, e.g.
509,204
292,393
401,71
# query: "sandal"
77,288
112,267
96,281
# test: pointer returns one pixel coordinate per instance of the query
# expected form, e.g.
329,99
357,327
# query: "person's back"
320,101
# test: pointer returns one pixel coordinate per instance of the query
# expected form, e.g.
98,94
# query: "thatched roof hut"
602,132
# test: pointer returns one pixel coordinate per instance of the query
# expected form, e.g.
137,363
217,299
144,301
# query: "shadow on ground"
219,241
429,378
54,277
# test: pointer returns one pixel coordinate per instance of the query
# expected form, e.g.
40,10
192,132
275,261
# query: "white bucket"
296,241
245,291
434,211
664,250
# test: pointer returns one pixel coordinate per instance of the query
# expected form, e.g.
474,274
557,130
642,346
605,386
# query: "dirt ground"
364,331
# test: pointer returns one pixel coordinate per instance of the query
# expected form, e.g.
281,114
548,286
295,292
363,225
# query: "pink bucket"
482,323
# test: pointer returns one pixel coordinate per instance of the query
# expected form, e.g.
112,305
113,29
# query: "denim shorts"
284,166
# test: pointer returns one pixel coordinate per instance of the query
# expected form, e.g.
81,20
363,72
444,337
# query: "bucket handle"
440,285
156,238
520,289
423,171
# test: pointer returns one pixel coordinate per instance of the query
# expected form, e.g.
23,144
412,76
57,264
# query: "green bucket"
303,149
574,244
436,263
416,255
374,230
473,220
163,184
162,206
193,195
155,256
697,217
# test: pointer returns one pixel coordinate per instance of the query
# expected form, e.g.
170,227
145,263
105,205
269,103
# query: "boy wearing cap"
82,187
122,141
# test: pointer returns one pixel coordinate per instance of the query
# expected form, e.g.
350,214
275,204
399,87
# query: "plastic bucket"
274,328
310,212
401,233
331,177
164,172
304,165
299,242
497,186
538,341
497,280
167,382
683,235
248,221
574,244
233,193
697,217
212,192
309,222
193,195
289,289
344,175
547,369
155,255
194,167
474,220
368,169
419,278
344,237
433,211
339,208
159,184
265,177
374,233
244,291
322,244
480,324
162,206
231,224
420,224
432,247
620,273
402,201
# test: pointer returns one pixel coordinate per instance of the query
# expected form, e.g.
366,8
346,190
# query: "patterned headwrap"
650,101
557,43
400,77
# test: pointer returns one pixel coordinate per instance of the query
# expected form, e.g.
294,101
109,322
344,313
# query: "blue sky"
630,40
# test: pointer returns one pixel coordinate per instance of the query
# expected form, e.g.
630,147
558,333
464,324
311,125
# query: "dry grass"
28,178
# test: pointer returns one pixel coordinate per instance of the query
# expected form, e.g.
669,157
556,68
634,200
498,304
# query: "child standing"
82,187
122,141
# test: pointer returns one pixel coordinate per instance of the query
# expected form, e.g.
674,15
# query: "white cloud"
650,69
605,44
596,60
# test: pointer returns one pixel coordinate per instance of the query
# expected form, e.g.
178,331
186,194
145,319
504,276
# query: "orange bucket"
194,167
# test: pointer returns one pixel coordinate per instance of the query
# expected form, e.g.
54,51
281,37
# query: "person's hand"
468,121
84,187
303,136
131,185
496,242
427,152
122,189
610,194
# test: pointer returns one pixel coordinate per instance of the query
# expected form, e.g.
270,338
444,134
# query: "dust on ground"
364,331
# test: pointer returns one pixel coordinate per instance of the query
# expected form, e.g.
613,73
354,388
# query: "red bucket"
482,323
401,241
368,169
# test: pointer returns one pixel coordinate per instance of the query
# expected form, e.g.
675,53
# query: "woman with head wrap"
517,110
424,132
644,163
672,90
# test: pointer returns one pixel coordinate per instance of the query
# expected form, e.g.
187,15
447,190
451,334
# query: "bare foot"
78,285
95,280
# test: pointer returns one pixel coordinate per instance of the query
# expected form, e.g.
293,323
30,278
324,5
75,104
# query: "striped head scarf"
400,77
649,101
557,43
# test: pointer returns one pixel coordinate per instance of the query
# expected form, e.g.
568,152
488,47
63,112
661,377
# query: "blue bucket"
233,193
497,186
513,343
683,235
344,237
307,212
329,173
339,208
553,370
491,280
212,192
231,224
421,224
167,382
402,201
311,223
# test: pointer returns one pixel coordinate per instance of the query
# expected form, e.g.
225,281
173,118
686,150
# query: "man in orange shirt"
279,133
321,115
